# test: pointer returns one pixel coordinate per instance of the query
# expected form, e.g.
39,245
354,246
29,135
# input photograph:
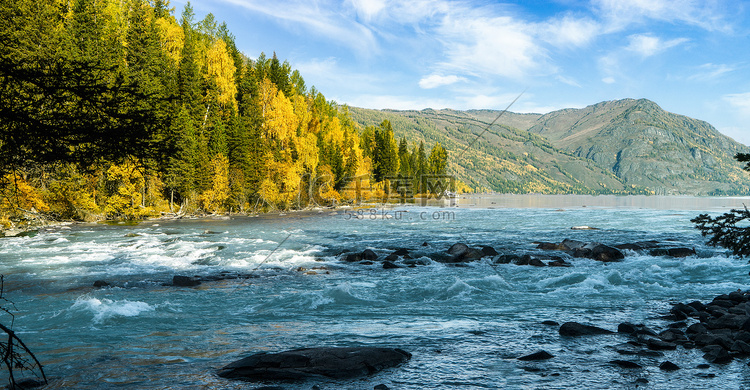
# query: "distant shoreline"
465,201
659,202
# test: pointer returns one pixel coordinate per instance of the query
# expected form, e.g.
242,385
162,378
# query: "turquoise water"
465,326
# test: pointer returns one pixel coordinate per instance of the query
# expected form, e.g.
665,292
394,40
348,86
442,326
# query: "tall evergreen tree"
385,154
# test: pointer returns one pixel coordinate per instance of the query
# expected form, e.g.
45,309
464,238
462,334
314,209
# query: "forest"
121,110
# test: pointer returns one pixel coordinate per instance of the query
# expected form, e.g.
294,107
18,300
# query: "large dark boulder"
458,249
569,245
576,329
717,354
401,252
489,251
604,253
369,254
328,362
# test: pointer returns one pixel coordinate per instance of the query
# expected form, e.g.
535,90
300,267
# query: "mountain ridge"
626,146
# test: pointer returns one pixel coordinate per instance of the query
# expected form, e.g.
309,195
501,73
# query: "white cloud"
709,15
496,46
435,80
609,80
569,31
647,45
317,19
740,101
711,71
568,81
367,9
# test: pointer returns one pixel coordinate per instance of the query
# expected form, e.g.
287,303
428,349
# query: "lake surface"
465,326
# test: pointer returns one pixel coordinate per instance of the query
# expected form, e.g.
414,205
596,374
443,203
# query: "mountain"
628,146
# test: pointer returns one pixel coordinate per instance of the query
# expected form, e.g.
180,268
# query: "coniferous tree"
385,153
438,160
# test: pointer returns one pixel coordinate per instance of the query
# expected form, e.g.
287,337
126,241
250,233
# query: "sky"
690,57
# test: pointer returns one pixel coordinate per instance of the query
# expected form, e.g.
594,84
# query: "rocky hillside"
623,147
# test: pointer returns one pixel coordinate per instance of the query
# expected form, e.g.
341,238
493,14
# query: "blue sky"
690,57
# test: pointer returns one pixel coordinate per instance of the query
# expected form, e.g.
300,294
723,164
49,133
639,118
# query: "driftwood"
16,356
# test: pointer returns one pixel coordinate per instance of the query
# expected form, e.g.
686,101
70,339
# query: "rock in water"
300,364
625,364
576,329
458,249
539,355
185,281
369,254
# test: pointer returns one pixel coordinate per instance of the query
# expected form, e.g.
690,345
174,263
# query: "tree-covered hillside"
121,109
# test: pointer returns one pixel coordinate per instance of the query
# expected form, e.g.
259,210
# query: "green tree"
438,160
385,154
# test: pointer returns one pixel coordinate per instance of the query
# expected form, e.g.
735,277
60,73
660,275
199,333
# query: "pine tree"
438,160
385,154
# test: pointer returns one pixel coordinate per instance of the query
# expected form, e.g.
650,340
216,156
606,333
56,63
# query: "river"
465,326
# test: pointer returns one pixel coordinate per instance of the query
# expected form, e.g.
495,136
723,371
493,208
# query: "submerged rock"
389,265
329,362
539,355
101,284
669,366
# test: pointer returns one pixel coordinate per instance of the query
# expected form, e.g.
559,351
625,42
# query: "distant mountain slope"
624,146
644,145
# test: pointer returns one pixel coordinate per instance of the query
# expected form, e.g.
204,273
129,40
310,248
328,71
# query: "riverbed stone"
575,329
717,354
185,281
401,252
458,249
369,254
681,252
101,284
727,321
489,251
605,253
669,366
389,265
538,355
306,363
660,345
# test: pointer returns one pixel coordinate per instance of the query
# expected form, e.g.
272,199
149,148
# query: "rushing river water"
465,326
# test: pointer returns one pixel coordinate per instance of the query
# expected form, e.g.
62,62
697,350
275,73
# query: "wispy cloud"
740,101
708,15
316,18
709,71
497,46
648,45
435,80
569,31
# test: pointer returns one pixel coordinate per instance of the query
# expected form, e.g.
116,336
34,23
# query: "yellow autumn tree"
171,38
221,69
20,194
125,185
280,120
72,194
214,198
